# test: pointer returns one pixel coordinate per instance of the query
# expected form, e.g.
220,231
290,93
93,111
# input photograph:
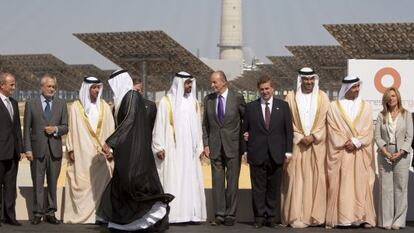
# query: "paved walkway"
202,228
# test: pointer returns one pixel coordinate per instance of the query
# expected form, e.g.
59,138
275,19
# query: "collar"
42,99
225,93
3,97
270,101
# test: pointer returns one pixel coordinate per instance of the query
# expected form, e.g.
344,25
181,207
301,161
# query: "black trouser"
8,177
266,181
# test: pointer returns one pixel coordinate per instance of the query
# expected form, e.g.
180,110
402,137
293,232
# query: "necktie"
220,110
9,108
267,115
47,113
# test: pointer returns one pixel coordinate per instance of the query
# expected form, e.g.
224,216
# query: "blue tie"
47,113
220,110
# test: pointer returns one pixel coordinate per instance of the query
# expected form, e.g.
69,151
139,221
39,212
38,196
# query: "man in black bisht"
134,199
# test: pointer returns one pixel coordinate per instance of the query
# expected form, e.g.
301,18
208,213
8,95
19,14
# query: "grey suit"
46,149
394,176
224,141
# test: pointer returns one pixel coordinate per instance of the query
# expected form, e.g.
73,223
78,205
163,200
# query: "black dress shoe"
229,221
216,222
52,220
258,225
13,222
271,224
36,220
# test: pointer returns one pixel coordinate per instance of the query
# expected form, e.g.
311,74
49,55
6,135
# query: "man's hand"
349,146
106,149
307,140
161,155
207,152
22,155
29,155
246,136
50,129
71,156
109,156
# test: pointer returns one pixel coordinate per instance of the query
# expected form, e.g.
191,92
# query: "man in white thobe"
88,172
177,145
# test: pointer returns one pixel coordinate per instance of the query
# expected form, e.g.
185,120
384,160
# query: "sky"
46,26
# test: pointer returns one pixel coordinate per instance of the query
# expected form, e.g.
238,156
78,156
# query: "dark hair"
136,81
264,79
221,73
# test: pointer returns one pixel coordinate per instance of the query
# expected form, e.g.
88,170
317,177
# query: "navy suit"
266,149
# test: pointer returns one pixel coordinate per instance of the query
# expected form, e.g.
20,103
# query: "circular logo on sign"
387,71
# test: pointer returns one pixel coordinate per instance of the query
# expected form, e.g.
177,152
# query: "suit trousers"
225,198
49,166
8,177
393,181
266,182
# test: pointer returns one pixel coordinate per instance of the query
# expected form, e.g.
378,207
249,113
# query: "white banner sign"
377,75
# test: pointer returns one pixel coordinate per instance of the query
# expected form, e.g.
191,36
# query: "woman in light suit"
393,135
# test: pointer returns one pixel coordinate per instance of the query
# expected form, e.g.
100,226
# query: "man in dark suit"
150,107
11,146
269,135
223,115
45,122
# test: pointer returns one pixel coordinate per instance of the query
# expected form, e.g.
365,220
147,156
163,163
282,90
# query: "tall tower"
231,34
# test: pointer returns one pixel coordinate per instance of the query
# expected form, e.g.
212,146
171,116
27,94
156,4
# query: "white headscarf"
91,109
351,107
347,83
120,83
176,95
303,105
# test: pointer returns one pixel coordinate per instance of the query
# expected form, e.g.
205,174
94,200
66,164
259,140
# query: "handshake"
106,151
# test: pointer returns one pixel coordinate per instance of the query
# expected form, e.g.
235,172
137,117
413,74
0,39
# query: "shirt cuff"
56,132
356,142
288,155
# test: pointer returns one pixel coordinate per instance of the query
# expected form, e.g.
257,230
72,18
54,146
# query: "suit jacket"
403,132
227,135
11,143
151,112
35,137
276,141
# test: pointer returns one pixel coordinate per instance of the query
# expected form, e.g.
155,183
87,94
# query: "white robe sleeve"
71,124
160,125
200,146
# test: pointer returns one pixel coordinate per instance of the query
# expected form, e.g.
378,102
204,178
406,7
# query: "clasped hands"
392,157
50,130
349,146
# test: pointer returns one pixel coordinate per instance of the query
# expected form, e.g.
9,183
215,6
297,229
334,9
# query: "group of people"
136,167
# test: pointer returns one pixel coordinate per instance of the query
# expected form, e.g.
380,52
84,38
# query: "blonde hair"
386,98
